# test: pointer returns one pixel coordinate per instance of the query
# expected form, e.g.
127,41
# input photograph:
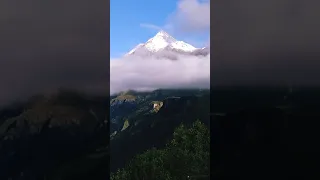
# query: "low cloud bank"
136,73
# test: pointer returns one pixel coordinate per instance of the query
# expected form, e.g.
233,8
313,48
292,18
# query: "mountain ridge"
163,45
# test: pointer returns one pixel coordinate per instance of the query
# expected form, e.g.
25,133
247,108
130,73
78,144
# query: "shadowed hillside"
39,136
149,125
66,135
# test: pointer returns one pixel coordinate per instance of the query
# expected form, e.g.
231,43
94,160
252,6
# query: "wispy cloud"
150,26
148,73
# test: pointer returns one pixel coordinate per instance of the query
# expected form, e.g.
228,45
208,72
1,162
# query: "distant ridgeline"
131,104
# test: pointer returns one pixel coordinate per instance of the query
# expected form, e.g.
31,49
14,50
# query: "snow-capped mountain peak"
159,41
163,43
163,34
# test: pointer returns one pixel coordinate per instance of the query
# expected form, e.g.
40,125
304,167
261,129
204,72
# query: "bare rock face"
157,105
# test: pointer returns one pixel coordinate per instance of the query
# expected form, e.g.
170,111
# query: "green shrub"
187,154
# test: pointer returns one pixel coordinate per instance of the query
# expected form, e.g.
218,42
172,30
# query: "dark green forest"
186,156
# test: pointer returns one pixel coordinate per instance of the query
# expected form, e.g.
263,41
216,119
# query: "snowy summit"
163,43
163,40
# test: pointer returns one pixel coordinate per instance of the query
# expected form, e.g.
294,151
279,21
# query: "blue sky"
127,16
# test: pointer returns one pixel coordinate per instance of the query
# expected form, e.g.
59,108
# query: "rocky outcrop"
157,105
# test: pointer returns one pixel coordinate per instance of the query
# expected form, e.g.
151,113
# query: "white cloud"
191,16
148,73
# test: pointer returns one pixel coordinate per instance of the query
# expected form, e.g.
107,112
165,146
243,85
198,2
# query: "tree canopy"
186,155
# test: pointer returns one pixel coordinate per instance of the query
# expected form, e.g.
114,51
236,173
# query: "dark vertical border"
108,78
283,144
214,152
79,59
